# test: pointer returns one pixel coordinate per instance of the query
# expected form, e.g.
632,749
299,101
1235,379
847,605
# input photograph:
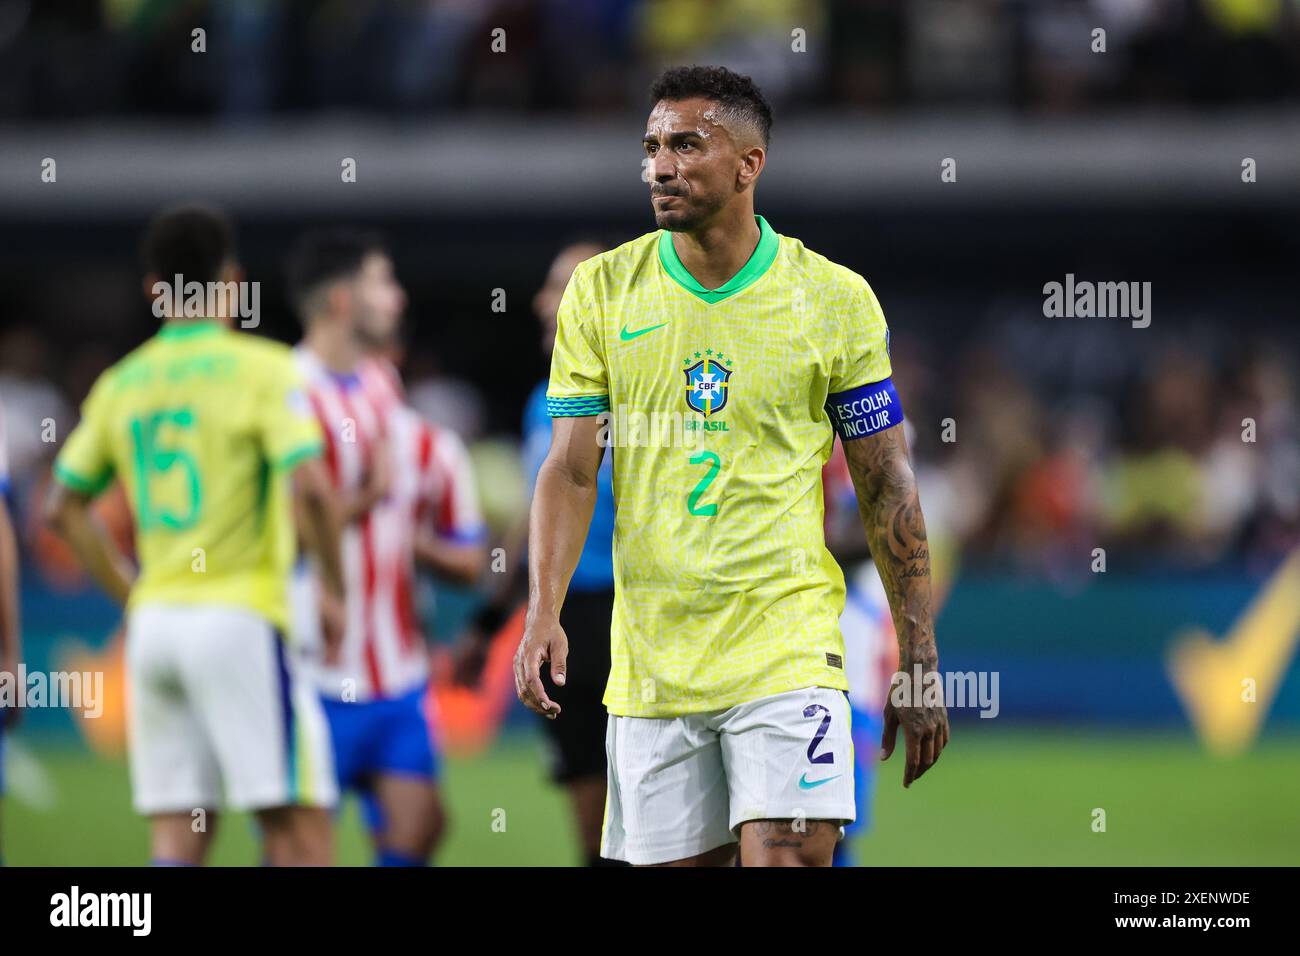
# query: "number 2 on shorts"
813,756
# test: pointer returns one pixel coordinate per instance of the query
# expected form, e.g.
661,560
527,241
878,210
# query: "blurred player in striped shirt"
408,496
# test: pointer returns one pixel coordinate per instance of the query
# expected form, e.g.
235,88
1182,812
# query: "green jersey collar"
187,328
753,270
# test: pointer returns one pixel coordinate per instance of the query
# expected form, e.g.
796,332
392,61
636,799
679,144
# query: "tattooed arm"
891,515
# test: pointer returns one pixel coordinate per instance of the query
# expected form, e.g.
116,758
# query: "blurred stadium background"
1071,434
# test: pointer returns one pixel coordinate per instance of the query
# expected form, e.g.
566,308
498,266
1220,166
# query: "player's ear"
752,161
338,298
232,271
152,286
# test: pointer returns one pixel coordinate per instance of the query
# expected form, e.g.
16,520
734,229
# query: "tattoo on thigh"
772,844
787,833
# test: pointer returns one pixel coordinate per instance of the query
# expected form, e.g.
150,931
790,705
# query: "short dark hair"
191,240
326,256
732,90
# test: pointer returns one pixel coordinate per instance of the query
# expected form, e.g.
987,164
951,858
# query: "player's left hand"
925,729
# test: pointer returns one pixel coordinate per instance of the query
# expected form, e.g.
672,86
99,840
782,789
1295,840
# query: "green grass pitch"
1005,797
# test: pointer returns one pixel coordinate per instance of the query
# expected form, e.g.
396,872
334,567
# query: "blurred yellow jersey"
202,426
719,410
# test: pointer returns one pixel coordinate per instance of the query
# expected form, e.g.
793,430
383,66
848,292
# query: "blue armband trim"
578,406
865,410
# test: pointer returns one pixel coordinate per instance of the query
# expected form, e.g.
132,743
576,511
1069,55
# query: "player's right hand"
379,478
543,640
334,622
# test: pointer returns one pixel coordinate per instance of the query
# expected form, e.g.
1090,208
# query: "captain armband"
865,410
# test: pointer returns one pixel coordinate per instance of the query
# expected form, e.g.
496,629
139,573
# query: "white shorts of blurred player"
680,786
305,624
218,715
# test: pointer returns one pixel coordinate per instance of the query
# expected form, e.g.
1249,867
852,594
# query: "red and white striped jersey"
379,375
362,416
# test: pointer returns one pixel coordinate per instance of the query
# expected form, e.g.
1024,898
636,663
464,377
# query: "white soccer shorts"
680,786
217,708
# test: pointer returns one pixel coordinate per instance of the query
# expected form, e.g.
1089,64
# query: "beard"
372,341
676,220
688,215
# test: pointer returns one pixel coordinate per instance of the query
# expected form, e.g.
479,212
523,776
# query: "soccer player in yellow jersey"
745,353
213,440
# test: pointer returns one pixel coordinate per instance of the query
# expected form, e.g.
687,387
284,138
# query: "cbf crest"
708,382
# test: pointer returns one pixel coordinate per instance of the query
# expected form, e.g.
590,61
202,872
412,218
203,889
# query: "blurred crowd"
73,58
1032,448
1039,449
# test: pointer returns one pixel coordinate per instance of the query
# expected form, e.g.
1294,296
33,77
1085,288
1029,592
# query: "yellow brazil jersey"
201,425
715,406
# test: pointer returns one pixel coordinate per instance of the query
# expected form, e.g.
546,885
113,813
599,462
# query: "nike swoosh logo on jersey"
806,784
627,336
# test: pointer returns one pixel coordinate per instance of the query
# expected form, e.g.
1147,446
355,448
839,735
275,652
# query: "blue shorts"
389,736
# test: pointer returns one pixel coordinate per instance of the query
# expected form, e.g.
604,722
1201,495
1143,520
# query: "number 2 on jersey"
693,499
